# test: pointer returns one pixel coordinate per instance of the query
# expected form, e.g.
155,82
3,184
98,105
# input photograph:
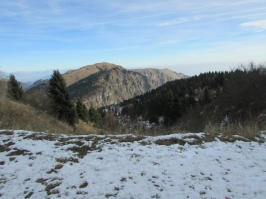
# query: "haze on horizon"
185,36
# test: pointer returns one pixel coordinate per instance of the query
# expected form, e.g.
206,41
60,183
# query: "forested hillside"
195,101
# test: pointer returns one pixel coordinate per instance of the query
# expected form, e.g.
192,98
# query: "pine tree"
14,89
63,108
206,96
82,110
95,117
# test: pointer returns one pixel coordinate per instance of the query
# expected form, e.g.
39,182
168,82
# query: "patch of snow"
130,169
161,119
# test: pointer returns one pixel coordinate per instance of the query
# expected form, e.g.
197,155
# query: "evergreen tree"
63,107
14,89
82,110
95,117
206,96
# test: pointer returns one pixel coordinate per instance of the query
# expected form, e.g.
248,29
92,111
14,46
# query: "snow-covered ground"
39,165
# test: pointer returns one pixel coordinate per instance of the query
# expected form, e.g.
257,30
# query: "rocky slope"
160,75
111,86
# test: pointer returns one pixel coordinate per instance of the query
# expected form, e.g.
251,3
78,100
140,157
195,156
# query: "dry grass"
249,130
170,141
15,115
84,128
212,129
130,138
246,131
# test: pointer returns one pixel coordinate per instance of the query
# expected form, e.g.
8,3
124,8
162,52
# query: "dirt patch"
130,138
19,152
6,133
110,195
83,150
5,147
170,141
29,195
83,185
65,160
196,140
49,187
35,136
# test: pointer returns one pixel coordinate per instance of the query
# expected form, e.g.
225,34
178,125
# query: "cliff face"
160,75
111,86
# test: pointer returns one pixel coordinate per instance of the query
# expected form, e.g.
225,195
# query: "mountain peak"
83,72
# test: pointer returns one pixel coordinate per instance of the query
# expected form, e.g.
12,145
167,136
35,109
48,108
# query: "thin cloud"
257,26
171,23
85,27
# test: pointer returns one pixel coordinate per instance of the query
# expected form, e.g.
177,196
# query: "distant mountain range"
29,77
103,84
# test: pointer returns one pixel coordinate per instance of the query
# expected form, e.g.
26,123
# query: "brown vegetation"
15,115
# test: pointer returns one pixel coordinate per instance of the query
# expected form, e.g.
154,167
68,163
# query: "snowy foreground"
39,165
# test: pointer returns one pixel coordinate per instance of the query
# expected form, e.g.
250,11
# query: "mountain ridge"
103,84
161,75
111,86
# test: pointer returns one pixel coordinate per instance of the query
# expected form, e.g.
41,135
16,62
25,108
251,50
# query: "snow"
119,169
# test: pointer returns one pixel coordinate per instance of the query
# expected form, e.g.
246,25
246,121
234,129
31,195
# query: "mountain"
103,84
27,78
74,76
30,77
160,75
108,87
3,83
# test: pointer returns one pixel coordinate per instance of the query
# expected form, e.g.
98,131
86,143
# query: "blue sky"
186,36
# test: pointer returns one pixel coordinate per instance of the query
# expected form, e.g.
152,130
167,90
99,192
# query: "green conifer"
14,89
63,108
82,110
